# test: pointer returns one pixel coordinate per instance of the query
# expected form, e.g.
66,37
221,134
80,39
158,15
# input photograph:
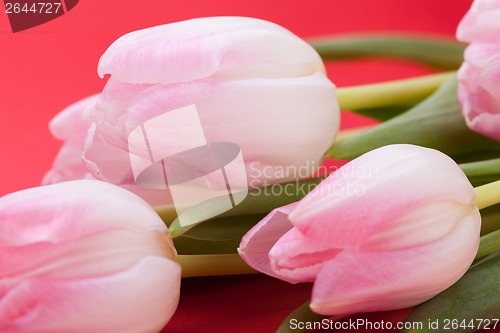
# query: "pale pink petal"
423,225
483,53
151,196
478,91
108,163
230,111
69,126
84,249
258,241
98,254
480,109
105,161
239,73
41,214
296,258
139,299
68,164
474,99
359,281
364,195
203,47
487,124
479,21
110,110
69,123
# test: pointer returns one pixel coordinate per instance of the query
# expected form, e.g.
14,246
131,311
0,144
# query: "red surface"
48,67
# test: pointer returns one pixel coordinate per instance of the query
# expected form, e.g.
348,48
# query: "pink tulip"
253,83
388,230
70,127
84,256
480,21
479,78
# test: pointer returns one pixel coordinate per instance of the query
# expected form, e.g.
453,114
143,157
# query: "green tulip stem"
390,93
489,244
213,265
167,213
488,195
435,52
349,133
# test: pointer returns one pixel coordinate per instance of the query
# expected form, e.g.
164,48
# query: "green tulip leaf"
218,236
436,123
438,53
490,243
390,94
482,172
384,113
490,219
192,246
469,305
224,228
303,314
258,201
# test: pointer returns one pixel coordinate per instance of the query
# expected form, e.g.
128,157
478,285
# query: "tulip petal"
332,213
84,249
483,53
68,165
41,214
228,110
140,299
478,86
296,258
109,109
359,281
70,126
200,48
258,241
471,298
479,21
105,161
69,123
486,124
420,226
112,164
99,254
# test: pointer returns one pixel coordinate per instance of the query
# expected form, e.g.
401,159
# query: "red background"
44,69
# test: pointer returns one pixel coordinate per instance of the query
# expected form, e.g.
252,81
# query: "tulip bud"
84,256
252,82
388,230
479,21
479,77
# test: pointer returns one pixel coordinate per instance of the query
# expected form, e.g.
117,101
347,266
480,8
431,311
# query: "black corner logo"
26,14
